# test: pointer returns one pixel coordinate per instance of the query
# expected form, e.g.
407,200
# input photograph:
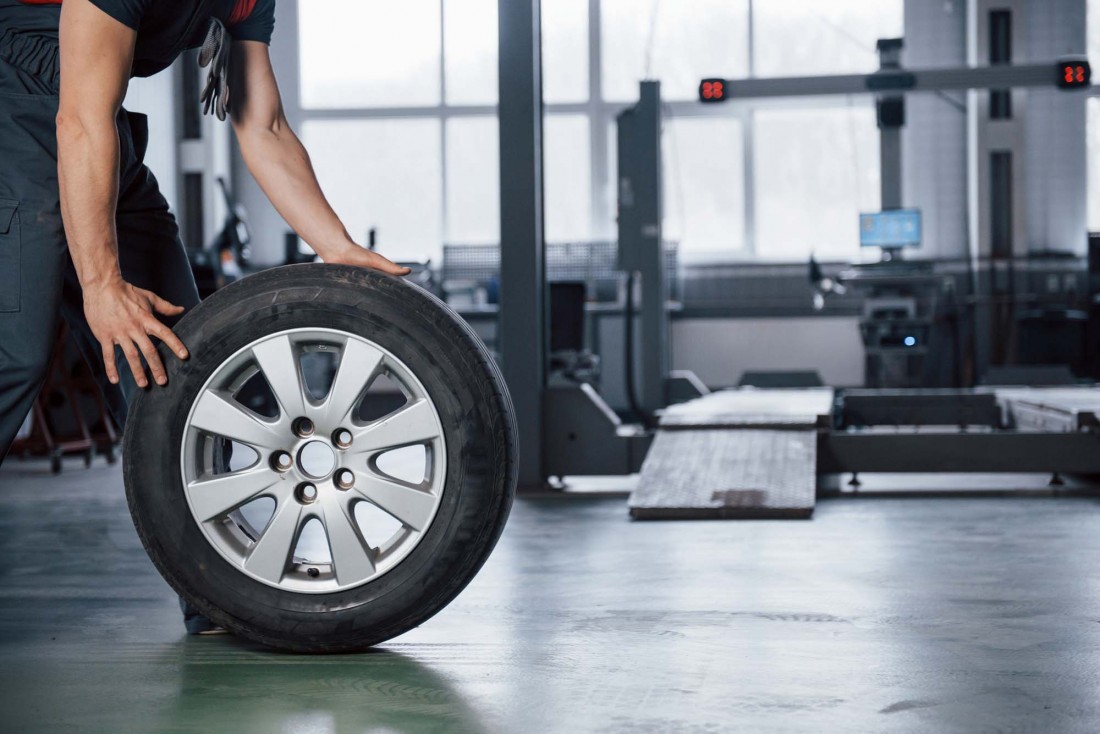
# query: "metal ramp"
1050,409
735,454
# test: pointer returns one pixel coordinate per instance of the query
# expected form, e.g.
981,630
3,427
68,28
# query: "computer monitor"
891,229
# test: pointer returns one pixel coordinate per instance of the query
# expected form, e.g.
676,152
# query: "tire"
475,459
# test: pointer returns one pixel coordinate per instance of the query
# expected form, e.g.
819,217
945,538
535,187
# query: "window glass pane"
704,184
815,171
470,51
567,178
368,53
832,37
1093,31
565,50
473,181
384,174
703,174
1094,164
689,40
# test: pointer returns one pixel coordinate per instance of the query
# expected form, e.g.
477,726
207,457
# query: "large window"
399,109
815,169
1093,31
704,184
677,42
809,37
358,53
384,174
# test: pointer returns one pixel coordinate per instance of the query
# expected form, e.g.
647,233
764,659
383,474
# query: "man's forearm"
281,165
88,154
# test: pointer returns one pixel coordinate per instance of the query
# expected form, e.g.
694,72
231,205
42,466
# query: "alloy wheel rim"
312,456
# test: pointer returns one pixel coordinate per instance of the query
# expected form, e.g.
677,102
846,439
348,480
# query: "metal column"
891,119
641,247
523,315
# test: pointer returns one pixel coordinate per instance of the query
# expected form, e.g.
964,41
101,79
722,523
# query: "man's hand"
121,314
353,254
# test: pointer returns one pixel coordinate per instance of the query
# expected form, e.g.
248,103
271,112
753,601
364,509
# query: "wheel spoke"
217,413
278,360
358,365
413,507
268,557
214,497
415,423
351,556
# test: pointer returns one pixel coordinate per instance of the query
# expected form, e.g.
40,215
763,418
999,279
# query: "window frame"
601,115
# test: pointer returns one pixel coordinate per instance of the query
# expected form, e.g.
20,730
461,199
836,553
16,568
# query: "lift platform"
741,453
750,453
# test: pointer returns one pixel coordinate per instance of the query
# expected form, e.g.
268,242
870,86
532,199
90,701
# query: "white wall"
719,351
934,137
1053,167
268,228
1055,131
154,97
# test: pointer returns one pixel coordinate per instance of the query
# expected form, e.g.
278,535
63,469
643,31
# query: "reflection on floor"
935,615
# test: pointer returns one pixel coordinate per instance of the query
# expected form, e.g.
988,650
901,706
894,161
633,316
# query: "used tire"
228,466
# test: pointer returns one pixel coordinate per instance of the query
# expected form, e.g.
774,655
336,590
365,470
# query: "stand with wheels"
61,390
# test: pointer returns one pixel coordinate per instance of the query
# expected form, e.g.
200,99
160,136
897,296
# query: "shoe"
198,624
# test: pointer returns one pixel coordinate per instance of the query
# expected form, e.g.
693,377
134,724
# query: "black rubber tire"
478,422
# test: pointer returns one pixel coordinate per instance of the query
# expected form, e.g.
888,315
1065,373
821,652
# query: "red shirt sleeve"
252,20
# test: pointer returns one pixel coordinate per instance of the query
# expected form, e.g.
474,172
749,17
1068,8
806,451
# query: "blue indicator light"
910,341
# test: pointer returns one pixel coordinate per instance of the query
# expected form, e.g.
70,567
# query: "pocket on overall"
9,255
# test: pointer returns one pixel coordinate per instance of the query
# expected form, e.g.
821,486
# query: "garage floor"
938,615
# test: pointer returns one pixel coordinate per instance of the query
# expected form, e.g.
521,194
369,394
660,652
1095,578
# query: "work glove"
215,54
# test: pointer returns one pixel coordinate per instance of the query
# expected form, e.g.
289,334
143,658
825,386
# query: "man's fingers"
136,367
152,359
387,266
166,335
163,307
109,362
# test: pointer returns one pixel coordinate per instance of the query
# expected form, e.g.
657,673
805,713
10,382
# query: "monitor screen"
894,228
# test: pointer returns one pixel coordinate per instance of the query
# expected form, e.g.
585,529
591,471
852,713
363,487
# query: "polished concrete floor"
879,615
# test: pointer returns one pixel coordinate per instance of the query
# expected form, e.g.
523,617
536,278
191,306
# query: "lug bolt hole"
303,427
344,479
313,573
281,461
306,493
341,437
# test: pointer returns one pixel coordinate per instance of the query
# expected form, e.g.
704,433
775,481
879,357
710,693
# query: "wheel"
331,466
55,462
89,458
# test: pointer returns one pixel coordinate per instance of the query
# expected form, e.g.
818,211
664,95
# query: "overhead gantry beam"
906,80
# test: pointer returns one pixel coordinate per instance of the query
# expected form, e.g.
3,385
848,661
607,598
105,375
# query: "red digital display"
712,90
1074,74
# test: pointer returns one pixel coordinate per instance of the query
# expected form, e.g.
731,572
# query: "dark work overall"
38,283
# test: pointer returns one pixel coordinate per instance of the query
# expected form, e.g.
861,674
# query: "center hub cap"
316,459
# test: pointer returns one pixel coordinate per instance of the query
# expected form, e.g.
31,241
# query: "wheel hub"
316,459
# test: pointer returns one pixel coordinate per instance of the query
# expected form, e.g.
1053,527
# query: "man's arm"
96,54
281,165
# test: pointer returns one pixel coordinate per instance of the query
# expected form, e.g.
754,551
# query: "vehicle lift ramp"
741,453
749,453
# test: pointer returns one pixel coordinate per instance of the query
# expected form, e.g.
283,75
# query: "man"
84,229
